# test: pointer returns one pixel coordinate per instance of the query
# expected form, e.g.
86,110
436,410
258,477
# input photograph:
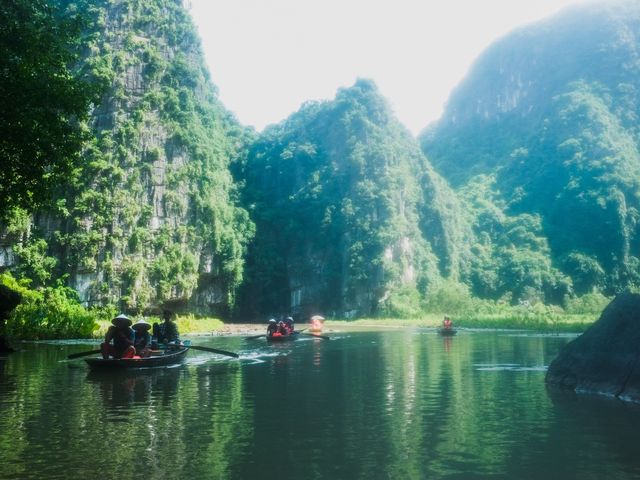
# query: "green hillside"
342,199
151,216
550,113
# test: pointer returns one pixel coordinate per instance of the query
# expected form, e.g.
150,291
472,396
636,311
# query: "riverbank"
556,323
562,323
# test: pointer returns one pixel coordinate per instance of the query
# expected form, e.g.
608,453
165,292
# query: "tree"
45,100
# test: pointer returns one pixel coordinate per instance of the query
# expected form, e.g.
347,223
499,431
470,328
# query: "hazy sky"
267,57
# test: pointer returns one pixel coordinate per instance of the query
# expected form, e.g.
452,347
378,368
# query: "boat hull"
167,358
447,332
283,338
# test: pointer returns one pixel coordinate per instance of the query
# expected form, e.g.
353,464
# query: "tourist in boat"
142,341
317,323
288,324
447,324
119,339
167,331
272,327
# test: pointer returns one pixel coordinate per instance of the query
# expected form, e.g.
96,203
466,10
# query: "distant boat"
447,332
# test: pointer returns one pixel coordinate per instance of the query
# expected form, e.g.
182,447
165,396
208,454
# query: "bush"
48,313
590,303
402,303
449,297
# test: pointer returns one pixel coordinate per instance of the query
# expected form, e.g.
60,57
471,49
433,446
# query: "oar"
317,335
82,354
253,337
215,350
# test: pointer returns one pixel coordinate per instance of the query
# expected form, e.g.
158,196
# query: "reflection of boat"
279,337
167,357
447,332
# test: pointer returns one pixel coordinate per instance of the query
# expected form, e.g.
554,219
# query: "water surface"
402,404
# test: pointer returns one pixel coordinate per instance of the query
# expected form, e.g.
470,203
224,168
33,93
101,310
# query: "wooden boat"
164,358
447,332
278,337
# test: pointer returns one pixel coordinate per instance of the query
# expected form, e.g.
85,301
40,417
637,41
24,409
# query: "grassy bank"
555,322
187,324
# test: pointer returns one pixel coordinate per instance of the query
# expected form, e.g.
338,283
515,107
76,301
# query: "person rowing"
167,331
119,339
272,327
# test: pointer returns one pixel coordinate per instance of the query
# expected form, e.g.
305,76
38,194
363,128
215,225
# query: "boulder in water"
606,358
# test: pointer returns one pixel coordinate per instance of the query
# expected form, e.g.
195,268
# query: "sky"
268,57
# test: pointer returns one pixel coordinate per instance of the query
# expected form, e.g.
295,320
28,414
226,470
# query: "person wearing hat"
288,323
122,336
272,327
142,340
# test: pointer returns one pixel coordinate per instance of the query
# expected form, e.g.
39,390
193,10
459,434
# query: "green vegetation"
546,125
336,194
167,200
45,102
50,313
187,324
151,214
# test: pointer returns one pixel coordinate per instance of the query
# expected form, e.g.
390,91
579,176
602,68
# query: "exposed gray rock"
606,358
9,300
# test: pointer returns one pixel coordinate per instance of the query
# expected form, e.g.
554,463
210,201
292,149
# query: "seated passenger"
142,341
288,323
167,331
272,327
282,328
122,336
446,323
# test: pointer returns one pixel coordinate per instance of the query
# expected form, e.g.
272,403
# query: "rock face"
350,218
606,358
151,218
550,111
9,300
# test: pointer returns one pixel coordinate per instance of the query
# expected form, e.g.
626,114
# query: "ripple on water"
511,367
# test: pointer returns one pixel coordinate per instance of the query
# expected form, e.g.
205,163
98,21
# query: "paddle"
253,337
318,335
82,354
215,350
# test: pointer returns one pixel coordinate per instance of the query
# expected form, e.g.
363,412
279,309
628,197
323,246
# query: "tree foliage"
45,100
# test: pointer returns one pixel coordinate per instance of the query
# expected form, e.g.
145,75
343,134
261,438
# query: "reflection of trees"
374,406
141,423
12,444
436,409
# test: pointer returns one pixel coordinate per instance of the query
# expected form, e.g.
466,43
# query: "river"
396,404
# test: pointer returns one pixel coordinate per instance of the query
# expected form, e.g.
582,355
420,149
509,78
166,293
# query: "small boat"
160,359
279,337
447,332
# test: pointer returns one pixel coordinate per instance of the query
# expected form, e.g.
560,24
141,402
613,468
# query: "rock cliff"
350,217
151,217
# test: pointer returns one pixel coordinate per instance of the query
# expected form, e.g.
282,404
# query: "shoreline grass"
187,324
556,322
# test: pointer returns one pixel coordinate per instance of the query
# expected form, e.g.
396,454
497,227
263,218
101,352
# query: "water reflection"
126,388
404,404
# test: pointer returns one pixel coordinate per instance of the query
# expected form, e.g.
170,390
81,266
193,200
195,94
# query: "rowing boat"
279,337
447,332
161,359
